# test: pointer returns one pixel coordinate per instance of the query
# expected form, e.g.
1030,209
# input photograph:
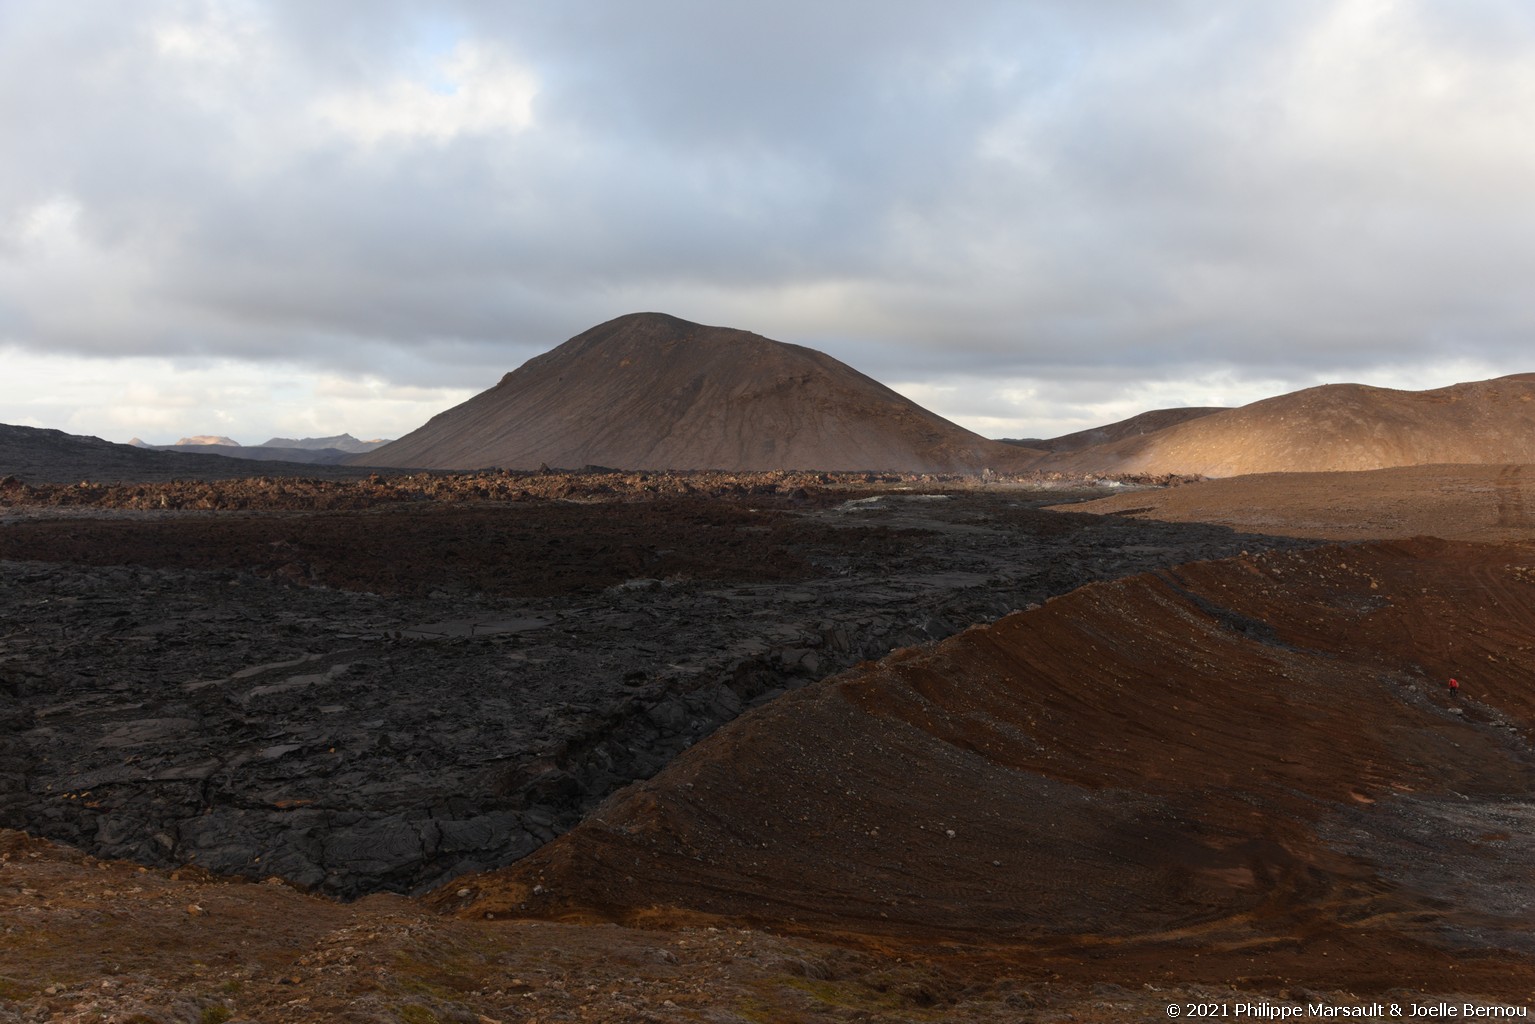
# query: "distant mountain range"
321,450
651,391
340,442
36,455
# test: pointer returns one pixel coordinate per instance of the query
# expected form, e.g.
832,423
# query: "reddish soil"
1461,502
84,940
1243,772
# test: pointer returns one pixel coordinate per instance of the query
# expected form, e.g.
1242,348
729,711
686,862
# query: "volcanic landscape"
688,676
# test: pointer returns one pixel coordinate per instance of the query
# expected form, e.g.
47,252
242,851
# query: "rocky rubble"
93,941
289,492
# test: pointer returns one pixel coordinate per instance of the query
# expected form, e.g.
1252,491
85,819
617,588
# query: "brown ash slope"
1333,427
650,391
1251,756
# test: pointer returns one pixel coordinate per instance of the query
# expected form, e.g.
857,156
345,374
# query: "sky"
296,219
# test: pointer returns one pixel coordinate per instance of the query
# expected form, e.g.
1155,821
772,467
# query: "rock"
382,848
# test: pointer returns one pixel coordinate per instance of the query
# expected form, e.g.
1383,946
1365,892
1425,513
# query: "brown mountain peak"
652,391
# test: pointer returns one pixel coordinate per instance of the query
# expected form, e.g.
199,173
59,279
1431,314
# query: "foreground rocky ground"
382,699
1228,785
83,940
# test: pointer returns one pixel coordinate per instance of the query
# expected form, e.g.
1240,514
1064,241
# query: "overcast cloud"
297,218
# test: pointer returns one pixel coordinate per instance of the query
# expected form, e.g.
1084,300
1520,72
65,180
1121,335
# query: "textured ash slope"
1334,427
649,391
1254,753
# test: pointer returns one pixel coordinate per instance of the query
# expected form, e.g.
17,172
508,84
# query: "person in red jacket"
1454,685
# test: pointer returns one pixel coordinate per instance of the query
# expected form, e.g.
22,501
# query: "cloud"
990,198
471,91
155,399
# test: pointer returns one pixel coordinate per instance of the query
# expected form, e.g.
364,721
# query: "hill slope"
650,391
1135,426
1247,754
1334,427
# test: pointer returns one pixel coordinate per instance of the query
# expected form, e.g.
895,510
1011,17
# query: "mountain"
1332,427
35,455
650,391
1144,423
325,451
264,453
339,442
